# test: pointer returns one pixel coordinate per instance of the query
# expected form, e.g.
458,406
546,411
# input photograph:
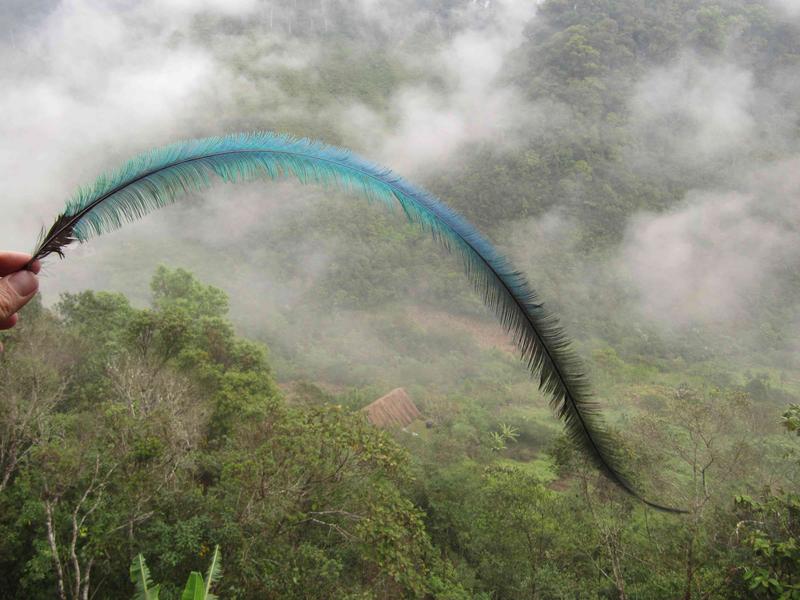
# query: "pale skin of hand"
17,285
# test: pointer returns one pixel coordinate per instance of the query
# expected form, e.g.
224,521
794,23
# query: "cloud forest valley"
271,390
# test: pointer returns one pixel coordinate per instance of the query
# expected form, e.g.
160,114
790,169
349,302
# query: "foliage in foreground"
197,588
159,430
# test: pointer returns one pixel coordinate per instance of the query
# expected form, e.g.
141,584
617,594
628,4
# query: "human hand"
17,286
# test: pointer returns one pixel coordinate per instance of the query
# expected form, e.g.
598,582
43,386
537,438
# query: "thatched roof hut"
395,409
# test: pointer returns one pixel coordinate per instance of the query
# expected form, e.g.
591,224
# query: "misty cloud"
428,123
692,111
189,8
705,262
93,83
791,7
86,88
709,125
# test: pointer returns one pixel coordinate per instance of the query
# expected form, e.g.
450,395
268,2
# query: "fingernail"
23,282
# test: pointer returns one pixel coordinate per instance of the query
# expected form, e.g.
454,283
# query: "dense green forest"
215,401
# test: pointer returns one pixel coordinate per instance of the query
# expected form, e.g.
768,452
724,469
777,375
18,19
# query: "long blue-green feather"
159,177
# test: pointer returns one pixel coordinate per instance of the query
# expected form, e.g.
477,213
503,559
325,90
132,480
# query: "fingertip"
9,322
23,283
36,266
10,262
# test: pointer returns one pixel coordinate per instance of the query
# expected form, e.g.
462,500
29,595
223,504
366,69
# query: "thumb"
15,291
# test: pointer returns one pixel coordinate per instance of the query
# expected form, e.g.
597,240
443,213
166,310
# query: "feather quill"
159,177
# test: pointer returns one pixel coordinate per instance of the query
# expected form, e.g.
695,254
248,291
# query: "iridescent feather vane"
159,177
